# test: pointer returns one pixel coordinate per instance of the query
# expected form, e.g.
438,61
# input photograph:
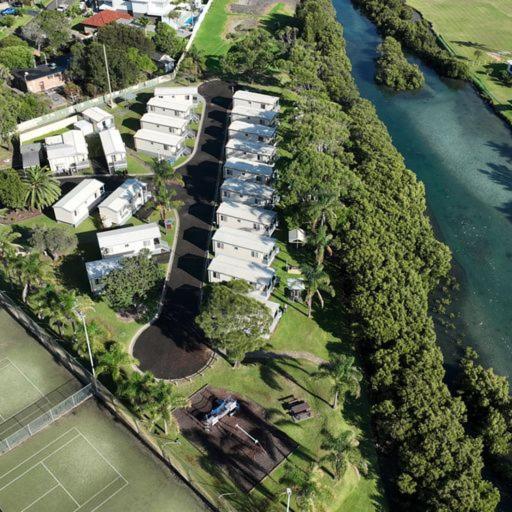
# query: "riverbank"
445,28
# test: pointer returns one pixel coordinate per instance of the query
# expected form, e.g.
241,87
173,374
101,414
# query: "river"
462,152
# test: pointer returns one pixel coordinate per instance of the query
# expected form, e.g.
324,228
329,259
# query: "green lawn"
265,384
73,276
482,25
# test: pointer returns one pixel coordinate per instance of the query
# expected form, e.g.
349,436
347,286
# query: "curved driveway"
172,347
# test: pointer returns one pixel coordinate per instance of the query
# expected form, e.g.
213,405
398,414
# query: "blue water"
462,152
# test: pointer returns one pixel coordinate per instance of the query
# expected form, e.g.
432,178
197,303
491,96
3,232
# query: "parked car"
10,11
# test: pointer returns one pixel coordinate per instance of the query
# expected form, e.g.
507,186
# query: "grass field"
84,462
479,25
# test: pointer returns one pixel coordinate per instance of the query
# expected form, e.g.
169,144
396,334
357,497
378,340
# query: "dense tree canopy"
167,41
49,31
394,70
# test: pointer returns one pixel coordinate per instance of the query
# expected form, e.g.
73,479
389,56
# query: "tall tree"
345,376
49,31
31,271
13,191
56,241
342,451
43,189
113,360
316,281
232,320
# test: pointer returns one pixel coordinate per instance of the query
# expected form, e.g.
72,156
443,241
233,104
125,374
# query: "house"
42,78
76,205
163,61
252,131
159,144
244,245
165,124
248,218
84,126
100,19
97,270
131,241
250,170
177,93
250,150
157,8
31,155
67,153
253,115
255,100
225,268
248,192
275,311
99,119
126,199
114,150
170,107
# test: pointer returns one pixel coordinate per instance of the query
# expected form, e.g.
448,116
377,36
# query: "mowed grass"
483,25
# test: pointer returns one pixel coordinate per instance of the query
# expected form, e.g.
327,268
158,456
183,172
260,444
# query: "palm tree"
137,389
32,270
97,337
43,188
166,172
8,246
113,360
325,210
306,485
164,198
345,375
39,303
167,399
342,452
316,281
321,241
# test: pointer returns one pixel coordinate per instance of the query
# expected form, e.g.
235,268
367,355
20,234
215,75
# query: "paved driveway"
171,347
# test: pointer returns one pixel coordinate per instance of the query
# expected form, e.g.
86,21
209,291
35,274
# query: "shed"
31,155
97,270
296,236
99,118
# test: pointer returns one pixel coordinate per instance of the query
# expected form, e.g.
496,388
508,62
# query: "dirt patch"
245,445
15,216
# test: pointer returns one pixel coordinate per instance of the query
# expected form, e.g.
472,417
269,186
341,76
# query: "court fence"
119,410
45,419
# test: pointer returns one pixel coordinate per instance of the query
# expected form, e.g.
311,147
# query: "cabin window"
254,254
262,106
166,147
235,247
222,217
127,245
256,226
216,275
229,172
220,245
156,241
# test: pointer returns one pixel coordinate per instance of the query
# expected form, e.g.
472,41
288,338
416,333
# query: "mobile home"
255,100
67,153
253,115
76,205
99,118
250,150
252,131
159,144
114,150
249,170
170,107
166,124
177,93
248,192
249,218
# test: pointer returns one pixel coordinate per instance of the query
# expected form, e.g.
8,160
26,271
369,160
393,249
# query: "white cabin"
97,270
126,199
170,107
255,100
249,170
114,150
159,144
177,93
244,245
67,153
248,192
249,218
166,124
225,268
253,115
131,241
250,150
76,205
99,118
252,131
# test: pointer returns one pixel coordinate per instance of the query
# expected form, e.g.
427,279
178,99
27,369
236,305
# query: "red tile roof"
102,18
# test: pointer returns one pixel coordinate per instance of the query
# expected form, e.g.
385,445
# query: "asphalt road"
172,347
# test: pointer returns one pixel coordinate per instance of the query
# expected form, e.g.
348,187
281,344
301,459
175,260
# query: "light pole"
288,498
82,317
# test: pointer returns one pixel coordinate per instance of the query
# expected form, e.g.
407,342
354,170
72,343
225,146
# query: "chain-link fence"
45,419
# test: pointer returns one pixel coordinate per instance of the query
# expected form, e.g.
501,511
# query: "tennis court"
27,371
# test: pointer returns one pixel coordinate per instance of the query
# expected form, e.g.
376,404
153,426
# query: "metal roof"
97,114
112,141
248,188
252,128
123,195
127,235
164,120
160,137
245,239
180,106
100,268
175,91
249,146
70,143
242,269
250,166
247,212
31,154
83,191
255,97
268,115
